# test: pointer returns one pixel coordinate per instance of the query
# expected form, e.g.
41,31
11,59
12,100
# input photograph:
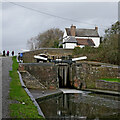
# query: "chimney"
96,28
73,30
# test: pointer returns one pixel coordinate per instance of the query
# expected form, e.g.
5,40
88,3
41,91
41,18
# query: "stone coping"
108,81
98,91
98,63
37,64
46,49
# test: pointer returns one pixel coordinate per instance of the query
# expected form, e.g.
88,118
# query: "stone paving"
6,67
43,93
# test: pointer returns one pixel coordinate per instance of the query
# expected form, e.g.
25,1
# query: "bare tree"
47,39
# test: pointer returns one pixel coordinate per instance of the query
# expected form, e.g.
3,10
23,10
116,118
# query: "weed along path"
20,105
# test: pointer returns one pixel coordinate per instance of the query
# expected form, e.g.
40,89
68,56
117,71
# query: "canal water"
79,106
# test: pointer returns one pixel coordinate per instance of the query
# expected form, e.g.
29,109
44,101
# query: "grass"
111,79
17,93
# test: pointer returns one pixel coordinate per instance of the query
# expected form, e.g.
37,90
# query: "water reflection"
82,107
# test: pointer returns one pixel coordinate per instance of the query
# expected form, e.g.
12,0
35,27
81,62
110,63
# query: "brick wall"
106,85
85,74
45,73
28,57
81,75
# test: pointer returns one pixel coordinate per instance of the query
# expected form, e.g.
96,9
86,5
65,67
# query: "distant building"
76,37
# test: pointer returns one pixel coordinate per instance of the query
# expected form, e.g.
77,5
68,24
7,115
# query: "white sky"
20,24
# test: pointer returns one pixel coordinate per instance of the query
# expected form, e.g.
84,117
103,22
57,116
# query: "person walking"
7,53
12,53
3,52
21,55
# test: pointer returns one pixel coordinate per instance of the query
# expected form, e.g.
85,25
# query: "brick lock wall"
85,75
81,75
45,73
106,85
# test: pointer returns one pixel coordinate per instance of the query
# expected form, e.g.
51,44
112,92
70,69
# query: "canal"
82,106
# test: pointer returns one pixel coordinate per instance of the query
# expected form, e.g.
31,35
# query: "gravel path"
6,67
0,88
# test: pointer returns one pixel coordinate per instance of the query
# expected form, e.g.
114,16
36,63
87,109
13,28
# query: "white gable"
71,45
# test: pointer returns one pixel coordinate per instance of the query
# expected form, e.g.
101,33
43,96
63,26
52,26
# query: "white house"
75,37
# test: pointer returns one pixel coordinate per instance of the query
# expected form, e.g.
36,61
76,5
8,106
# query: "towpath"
6,66
0,88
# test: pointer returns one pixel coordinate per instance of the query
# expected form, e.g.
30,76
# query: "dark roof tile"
71,39
83,32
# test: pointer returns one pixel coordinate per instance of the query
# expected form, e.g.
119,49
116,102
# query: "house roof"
71,39
83,32
85,42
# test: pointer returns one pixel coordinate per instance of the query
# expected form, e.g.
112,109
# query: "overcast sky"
20,24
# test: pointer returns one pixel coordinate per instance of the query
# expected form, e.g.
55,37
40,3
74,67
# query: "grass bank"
23,107
111,79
